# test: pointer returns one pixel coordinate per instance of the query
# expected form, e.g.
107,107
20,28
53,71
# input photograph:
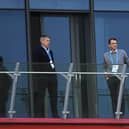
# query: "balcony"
83,97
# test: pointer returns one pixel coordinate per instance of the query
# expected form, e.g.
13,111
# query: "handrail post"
120,96
11,111
65,111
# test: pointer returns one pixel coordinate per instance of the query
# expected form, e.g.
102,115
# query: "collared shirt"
48,51
114,56
49,55
114,51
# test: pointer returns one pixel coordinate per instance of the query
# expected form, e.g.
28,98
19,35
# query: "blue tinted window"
111,4
111,25
12,36
58,29
13,49
11,3
59,4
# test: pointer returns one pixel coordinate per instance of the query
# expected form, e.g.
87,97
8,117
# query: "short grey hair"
44,36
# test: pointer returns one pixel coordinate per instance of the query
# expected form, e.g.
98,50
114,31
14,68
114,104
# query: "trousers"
114,86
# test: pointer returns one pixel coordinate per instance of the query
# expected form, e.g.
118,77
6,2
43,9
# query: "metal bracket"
11,111
65,111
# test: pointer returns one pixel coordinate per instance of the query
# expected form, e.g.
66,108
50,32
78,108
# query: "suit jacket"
5,83
41,60
122,59
41,63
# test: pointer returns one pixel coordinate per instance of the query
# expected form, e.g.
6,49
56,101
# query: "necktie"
49,55
51,62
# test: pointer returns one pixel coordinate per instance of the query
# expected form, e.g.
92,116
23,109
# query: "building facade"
80,30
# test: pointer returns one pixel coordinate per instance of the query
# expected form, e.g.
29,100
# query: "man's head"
45,40
112,43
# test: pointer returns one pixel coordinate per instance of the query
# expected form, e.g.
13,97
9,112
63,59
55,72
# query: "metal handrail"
68,75
94,73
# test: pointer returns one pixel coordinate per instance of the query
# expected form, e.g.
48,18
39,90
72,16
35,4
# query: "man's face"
113,44
46,42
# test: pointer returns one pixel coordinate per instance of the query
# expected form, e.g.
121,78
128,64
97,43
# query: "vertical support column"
66,100
11,111
119,102
28,37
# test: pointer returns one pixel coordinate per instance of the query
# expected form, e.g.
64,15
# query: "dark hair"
113,38
44,36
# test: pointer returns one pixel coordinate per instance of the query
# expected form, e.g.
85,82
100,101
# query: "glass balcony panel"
88,96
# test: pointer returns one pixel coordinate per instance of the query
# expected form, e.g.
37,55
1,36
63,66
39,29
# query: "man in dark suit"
43,57
5,83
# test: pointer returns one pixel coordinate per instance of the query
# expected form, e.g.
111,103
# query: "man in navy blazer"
44,62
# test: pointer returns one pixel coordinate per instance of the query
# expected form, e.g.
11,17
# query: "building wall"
80,43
